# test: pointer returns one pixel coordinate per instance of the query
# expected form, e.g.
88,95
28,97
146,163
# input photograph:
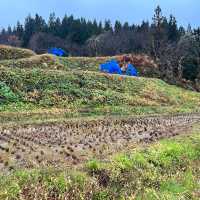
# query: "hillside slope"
75,94
41,88
62,114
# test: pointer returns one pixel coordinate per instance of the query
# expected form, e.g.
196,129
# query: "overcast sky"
133,11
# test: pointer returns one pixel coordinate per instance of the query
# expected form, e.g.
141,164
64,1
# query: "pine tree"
108,26
158,18
64,27
52,23
181,31
159,33
189,29
118,27
173,33
3,32
100,28
19,30
126,26
29,30
9,30
40,24
57,28
95,28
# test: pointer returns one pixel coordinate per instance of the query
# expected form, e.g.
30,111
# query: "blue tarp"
131,70
112,67
56,51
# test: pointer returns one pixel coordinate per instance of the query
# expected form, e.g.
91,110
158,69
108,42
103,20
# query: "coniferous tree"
173,32
100,27
181,31
51,22
3,32
9,30
108,26
29,30
158,32
126,26
19,30
118,27
40,24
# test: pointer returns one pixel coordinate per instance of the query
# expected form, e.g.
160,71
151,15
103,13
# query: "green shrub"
6,94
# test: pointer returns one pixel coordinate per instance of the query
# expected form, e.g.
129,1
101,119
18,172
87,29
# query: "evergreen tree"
64,31
95,28
108,26
57,28
181,31
40,24
173,32
158,32
3,32
100,28
52,23
29,30
126,26
189,29
19,30
118,27
144,27
9,30
158,18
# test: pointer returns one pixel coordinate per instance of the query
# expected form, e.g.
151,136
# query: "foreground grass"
168,170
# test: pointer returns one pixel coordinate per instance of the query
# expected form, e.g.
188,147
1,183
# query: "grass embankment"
43,87
8,52
44,61
168,170
77,94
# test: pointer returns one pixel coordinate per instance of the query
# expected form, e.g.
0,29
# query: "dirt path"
69,143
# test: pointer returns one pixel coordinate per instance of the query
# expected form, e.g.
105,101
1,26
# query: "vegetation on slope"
44,87
45,61
90,93
144,64
168,169
7,52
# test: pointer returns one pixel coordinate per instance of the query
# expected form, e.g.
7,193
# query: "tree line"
175,48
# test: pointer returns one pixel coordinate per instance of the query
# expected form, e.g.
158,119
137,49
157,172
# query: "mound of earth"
45,61
8,52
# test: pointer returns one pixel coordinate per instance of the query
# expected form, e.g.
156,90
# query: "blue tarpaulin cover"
112,67
56,51
131,70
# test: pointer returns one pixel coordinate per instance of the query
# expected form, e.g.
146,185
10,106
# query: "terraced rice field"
64,144
70,132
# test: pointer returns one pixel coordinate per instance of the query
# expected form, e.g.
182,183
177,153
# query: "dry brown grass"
8,52
145,65
36,61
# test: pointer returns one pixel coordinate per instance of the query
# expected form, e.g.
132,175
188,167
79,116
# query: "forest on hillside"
175,48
